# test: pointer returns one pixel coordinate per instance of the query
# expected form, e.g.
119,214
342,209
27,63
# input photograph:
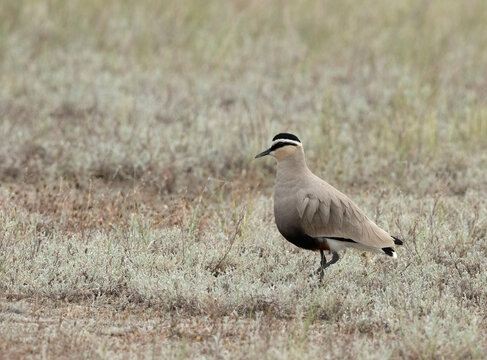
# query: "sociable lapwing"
313,215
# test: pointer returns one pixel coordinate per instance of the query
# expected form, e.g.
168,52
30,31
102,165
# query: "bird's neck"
292,167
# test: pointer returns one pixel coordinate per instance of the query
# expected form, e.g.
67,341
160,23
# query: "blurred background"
169,93
135,222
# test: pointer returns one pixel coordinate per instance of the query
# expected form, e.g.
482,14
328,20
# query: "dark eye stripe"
280,144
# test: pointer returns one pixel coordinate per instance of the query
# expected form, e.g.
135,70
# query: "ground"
135,222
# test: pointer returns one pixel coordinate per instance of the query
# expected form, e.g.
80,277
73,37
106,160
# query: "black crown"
286,136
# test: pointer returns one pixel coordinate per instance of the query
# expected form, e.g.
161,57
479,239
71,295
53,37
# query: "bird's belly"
337,245
304,241
296,236
286,217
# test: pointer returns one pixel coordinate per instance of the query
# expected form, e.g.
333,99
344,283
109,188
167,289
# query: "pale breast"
285,212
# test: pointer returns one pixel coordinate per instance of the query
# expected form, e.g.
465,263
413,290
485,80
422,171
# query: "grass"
135,223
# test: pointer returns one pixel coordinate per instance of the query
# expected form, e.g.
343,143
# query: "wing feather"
302,206
336,213
325,211
312,208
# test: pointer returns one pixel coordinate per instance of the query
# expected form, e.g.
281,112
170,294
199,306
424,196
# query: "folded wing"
326,212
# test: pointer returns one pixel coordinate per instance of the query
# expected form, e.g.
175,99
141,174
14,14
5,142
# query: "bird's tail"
397,241
390,251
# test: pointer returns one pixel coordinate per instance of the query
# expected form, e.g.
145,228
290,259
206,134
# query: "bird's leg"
333,260
323,263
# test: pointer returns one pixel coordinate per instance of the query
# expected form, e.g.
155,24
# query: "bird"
313,215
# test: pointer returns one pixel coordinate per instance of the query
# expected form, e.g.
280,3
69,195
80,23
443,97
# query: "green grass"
135,222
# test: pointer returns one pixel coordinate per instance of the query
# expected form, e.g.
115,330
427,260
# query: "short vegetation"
134,222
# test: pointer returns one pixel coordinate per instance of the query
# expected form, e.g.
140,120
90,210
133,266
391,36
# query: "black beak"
263,153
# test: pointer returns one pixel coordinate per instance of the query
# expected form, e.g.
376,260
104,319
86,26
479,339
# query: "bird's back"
320,211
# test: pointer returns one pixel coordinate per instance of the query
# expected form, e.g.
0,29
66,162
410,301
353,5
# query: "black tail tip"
389,251
397,241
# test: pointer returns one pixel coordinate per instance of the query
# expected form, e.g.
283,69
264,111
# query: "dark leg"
323,263
333,260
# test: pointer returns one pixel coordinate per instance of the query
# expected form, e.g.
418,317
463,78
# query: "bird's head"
284,145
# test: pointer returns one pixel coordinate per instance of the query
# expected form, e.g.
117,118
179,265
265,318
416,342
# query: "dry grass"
134,222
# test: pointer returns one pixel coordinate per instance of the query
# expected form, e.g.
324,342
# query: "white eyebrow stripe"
286,141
